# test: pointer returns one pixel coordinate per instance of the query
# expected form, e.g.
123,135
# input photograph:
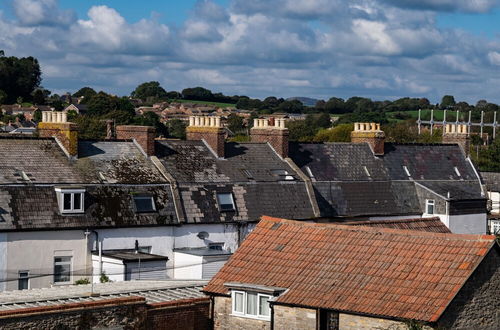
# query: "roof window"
225,202
283,175
144,204
71,200
248,174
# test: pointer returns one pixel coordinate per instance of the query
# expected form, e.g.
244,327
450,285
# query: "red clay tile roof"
379,271
433,225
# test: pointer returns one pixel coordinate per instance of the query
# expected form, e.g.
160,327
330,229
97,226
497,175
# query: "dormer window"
144,204
225,202
70,200
429,206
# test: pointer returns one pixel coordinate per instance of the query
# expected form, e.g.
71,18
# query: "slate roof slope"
192,161
41,159
427,162
458,190
492,180
118,161
281,199
343,199
375,271
29,207
433,225
338,161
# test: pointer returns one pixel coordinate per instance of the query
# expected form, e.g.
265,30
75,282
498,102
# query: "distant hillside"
307,101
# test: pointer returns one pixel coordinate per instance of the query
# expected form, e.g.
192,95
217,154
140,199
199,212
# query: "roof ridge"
388,220
403,232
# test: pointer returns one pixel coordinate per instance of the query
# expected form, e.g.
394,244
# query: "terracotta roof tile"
396,273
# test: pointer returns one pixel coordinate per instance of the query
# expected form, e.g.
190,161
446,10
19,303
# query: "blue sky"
383,49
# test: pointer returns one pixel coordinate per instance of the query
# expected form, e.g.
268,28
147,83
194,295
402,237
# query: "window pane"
66,201
225,201
264,305
62,269
144,204
23,281
77,201
238,302
252,303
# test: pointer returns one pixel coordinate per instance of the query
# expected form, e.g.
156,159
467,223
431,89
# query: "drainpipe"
271,307
448,210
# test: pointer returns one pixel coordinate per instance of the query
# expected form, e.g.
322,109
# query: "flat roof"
129,255
203,252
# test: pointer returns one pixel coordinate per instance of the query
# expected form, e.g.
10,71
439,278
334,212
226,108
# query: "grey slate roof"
153,291
28,207
458,190
41,159
351,199
491,180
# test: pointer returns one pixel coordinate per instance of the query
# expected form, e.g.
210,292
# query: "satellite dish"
202,235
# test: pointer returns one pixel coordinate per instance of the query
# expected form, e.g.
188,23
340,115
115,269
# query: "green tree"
37,116
489,158
335,105
19,77
100,104
197,93
38,97
340,133
176,128
235,123
149,90
3,97
447,102
87,94
323,120
90,127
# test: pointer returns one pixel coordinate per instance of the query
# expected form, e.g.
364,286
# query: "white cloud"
41,12
494,58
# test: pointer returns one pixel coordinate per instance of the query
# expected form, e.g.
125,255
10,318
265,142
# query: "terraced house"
135,207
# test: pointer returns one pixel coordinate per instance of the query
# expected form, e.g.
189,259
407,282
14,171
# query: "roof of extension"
432,225
456,190
192,161
394,273
30,207
492,180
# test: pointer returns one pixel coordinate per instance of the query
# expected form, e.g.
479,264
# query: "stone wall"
355,322
127,312
287,318
189,314
224,320
477,305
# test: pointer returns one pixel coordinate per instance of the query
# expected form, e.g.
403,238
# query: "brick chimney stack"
143,135
55,124
275,134
208,129
369,133
457,134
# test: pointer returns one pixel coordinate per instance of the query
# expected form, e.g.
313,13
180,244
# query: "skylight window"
248,174
70,200
144,204
283,175
225,202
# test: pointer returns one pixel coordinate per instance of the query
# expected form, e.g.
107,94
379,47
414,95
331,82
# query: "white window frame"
244,313
232,200
495,227
429,202
72,192
70,270
27,277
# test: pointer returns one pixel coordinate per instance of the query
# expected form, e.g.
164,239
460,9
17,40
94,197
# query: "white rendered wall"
495,201
187,266
3,260
113,268
468,223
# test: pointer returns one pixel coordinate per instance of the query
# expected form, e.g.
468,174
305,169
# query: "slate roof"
458,190
30,207
433,225
491,180
374,271
251,201
358,198
192,161
41,159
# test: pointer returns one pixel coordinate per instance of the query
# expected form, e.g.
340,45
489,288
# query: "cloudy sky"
383,49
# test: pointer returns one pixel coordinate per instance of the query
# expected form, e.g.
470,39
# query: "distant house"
296,275
78,108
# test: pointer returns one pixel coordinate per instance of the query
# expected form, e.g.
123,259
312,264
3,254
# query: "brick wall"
144,135
213,136
190,314
277,138
224,320
461,139
127,312
477,306
375,139
287,318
